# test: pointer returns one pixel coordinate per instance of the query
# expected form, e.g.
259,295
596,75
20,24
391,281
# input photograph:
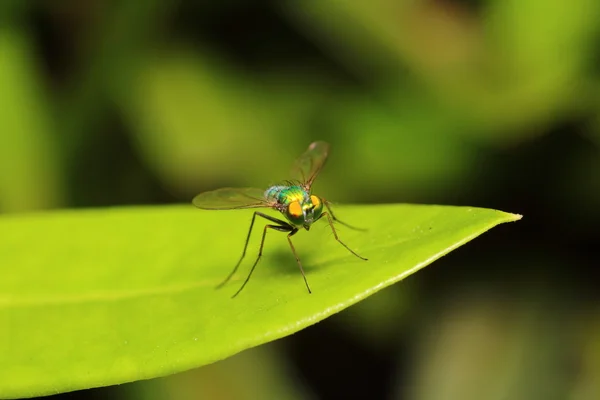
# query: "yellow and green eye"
318,205
294,211
315,201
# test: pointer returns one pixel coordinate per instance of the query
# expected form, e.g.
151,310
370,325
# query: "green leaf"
99,297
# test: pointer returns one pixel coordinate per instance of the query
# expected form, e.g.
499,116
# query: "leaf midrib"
100,295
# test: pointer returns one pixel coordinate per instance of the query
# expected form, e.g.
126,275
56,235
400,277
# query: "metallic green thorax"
287,194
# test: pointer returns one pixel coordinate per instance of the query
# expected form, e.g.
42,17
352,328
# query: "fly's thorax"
305,211
285,194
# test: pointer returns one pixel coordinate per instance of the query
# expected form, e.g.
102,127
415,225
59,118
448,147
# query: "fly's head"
303,213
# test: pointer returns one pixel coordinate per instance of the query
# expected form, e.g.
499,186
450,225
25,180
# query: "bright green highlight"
100,297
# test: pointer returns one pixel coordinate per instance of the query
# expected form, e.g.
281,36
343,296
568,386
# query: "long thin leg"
268,217
292,233
337,220
280,228
330,219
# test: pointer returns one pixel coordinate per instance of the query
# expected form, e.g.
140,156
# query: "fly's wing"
307,166
231,198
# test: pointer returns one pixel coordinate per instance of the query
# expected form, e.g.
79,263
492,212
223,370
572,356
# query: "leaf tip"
515,217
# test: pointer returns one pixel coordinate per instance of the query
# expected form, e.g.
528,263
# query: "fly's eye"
295,209
317,205
315,201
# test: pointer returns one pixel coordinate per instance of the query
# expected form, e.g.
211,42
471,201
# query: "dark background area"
481,103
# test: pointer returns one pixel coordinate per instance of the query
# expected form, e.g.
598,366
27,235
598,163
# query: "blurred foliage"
489,103
270,378
29,160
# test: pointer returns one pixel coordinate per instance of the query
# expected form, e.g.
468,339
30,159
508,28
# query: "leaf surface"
105,296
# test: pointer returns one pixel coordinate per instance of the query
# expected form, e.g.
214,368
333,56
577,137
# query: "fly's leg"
341,222
243,253
292,233
331,219
268,217
280,228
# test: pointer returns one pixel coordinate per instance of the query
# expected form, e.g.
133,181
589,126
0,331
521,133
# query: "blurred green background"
490,103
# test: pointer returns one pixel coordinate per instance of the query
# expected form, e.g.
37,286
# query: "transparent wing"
307,166
231,198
